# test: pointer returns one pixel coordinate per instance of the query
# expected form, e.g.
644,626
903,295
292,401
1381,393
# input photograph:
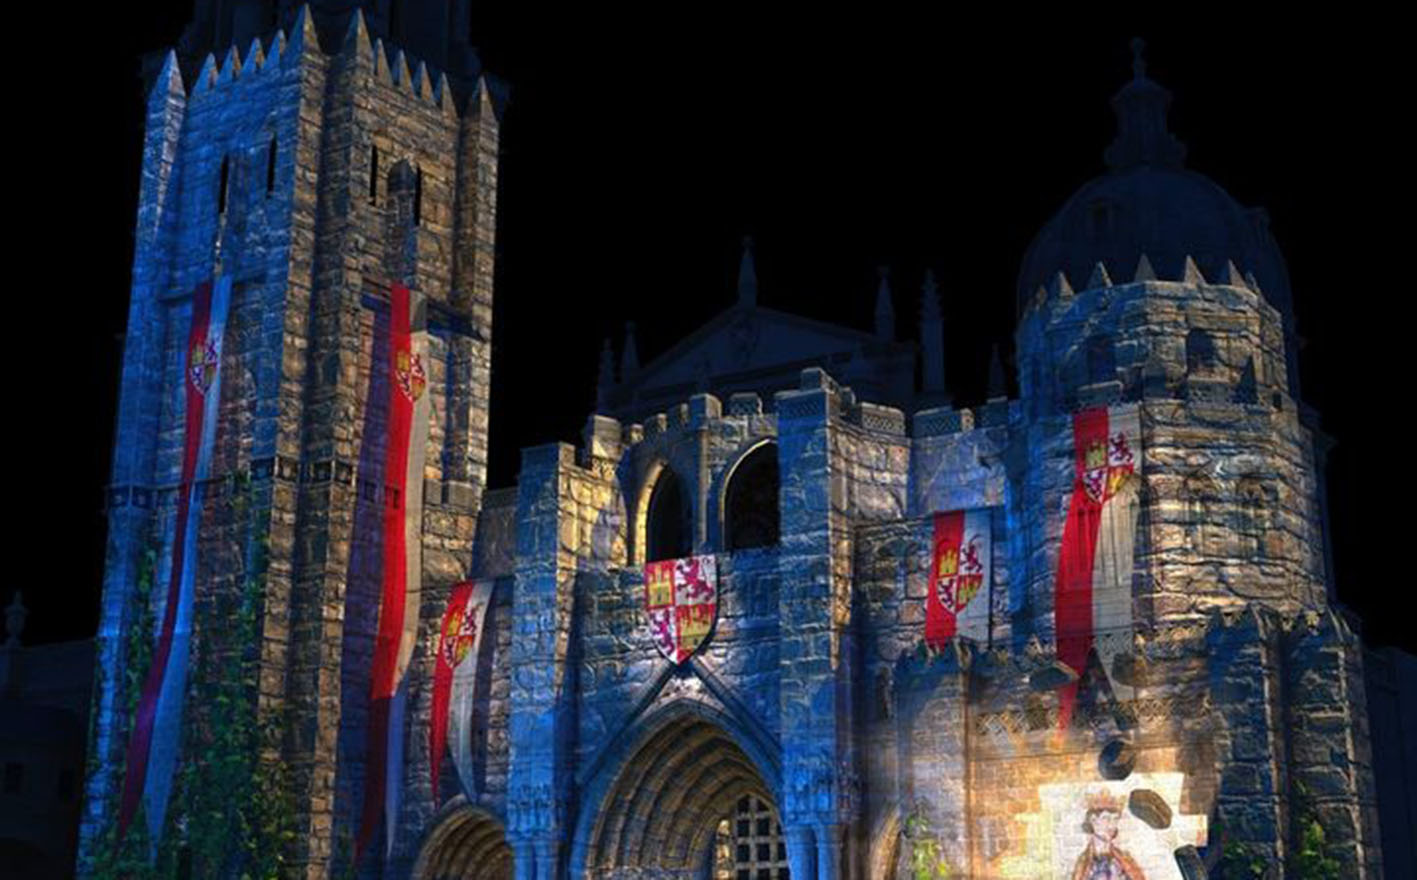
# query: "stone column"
829,852
801,851
538,725
1331,763
815,569
1245,691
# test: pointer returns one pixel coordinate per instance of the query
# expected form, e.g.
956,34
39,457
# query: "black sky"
639,148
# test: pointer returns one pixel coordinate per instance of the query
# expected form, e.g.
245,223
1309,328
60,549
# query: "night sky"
637,152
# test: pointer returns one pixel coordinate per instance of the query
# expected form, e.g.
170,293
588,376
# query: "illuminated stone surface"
815,695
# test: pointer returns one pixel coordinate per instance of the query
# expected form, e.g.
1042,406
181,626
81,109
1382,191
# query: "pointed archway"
661,808
466,843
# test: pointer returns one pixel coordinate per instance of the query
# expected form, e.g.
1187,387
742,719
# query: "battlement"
388,65
1059,292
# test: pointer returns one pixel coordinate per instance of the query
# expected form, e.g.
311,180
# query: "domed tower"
1154,298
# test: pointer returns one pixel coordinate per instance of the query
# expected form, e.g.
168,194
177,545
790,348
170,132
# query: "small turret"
747,276
885,311
932,340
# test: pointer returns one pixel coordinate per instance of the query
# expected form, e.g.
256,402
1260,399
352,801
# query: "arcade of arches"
689,803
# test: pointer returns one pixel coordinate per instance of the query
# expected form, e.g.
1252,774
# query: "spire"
929,299
885,311
998,384
1099,277
1143,137
15,614
747,276
605,381
629,357
169,82
932,339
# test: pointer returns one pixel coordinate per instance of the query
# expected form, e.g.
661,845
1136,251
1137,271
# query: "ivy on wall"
233,808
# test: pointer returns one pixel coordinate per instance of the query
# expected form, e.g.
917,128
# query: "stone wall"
289,129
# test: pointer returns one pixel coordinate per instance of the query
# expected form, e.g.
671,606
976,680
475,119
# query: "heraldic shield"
681,602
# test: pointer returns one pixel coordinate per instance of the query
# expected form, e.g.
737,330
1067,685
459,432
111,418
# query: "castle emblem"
460,632
1108,463
408,369
681,602
202,362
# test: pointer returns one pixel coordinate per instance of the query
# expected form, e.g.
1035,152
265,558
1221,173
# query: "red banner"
1093,586
957,602
402,569
152,746
458,644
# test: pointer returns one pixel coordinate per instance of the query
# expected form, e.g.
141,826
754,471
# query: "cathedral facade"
784,611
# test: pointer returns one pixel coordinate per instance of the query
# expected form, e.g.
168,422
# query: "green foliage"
233,811
1310,859
926,860
130,858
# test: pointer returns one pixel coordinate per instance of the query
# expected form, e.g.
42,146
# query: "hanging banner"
1093,589
681,602
455,679
404,453
152,746
957,602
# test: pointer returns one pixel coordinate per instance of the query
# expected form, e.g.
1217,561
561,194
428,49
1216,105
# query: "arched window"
1253,519
418,196
750,512
1200,352
669,527
374,175
271,166
1102,220
1101,359
1200,503
222,183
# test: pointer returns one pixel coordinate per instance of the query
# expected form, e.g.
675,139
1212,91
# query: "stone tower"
993,642
320,189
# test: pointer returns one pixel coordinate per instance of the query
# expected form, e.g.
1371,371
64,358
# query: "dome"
1149,203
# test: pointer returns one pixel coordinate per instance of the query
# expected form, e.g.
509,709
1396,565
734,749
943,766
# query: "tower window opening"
1200,351
271,166
1253,520
222,182
750,509
417,195
373,175
1101,359
668,531
1199,502
1102,220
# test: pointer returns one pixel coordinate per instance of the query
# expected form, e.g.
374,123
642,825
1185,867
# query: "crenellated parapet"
1231,496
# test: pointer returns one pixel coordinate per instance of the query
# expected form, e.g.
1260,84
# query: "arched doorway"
466,844
663,812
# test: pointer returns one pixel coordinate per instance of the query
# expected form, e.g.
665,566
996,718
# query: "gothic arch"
756,464
655,798
884,851
464,843
648,510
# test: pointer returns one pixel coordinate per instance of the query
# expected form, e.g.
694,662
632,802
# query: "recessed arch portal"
663,809
750,500
466,844
668,518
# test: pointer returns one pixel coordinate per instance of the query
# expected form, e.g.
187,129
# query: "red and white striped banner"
401,590
455,679
957,602
1093,590
152,746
